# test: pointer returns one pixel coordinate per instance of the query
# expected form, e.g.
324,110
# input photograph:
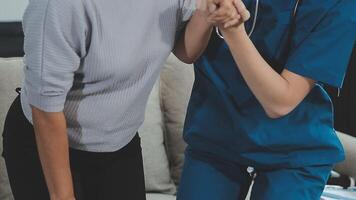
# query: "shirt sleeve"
55,41
325,53
187,9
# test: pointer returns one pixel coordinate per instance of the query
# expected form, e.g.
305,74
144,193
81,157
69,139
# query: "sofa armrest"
348,167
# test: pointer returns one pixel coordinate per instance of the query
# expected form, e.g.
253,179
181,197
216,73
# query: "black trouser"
96,176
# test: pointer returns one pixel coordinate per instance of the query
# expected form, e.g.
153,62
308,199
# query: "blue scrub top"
226,121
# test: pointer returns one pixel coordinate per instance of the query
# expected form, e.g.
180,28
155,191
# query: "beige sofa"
161,133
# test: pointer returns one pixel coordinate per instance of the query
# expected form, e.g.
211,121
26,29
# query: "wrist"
59,197
235,33
63,195
203,18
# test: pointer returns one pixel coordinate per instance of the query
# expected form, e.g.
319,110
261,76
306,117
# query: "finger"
229,15
213,21
212,5
218,14
246,16
240,6
233,16
222,22
212,8
231,23
217,20
242,10
221,19
224,12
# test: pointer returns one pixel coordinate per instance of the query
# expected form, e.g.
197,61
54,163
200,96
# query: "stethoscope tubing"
255,19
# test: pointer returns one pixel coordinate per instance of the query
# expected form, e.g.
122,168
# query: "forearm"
195,39
274,91
53,148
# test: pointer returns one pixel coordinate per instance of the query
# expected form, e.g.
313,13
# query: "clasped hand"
224,13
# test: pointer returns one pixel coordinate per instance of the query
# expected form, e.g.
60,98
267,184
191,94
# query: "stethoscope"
255,19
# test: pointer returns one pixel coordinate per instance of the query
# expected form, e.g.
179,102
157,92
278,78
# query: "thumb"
212,8
242,10
213,5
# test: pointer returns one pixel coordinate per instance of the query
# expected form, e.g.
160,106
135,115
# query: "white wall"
12,10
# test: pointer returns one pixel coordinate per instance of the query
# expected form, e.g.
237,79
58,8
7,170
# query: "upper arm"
55,41
42,118
296,88
186,11
44,122
323,55
299,86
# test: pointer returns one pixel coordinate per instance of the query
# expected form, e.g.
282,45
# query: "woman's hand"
195,39
221,12
236,25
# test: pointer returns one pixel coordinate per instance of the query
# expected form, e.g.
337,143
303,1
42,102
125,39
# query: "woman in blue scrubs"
258,108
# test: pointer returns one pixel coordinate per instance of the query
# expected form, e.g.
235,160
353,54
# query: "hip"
265,154
19,134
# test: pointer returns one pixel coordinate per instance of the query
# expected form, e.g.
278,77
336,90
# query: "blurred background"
12,10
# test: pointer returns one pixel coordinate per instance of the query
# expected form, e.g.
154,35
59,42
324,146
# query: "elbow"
278,111
185,59
184,56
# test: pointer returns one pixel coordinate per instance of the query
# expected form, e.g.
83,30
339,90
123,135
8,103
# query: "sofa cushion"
155,160
348,167
153,196
11,77
176,84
